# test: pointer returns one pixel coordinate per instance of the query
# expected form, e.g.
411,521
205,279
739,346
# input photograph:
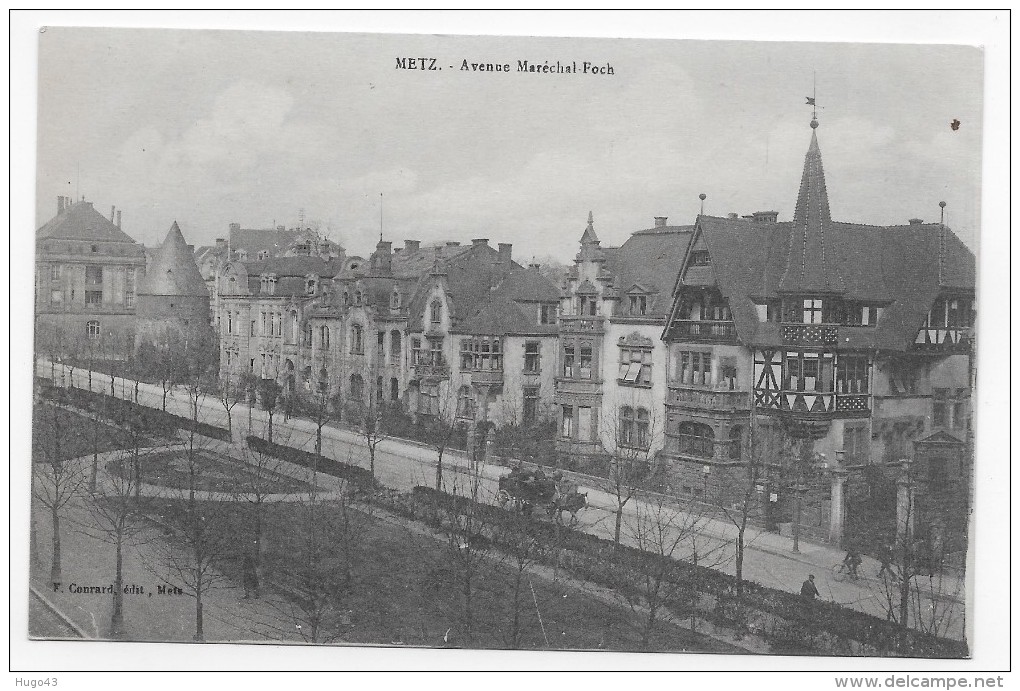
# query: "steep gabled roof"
651,259
80,221
173,270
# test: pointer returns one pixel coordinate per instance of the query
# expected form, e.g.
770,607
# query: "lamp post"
706,470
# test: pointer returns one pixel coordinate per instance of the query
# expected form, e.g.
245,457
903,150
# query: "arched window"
346,298
293,329
357,339
308,335
357,388
634,424
306,378
394,389
92,329
736,441
436,312
465,403
395,300
395,347
324,337
627,426
357,298
323,383
696,439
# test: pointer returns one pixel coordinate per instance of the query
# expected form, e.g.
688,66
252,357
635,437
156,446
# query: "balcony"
487,377
431,371
705,331
942,340
812,405
810,334
708,399
581,324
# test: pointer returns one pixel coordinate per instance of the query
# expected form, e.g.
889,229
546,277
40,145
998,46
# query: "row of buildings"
825,352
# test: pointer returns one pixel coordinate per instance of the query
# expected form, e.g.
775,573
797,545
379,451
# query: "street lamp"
706,470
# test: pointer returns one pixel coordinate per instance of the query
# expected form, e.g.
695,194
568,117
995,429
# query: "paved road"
402,464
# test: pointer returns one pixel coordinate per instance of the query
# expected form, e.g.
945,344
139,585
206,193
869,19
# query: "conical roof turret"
810,263
173,270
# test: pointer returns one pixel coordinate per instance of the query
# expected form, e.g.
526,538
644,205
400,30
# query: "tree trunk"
619,525
199,631
439,472
136,391
270,427
740,561
55,564
164,397
117,620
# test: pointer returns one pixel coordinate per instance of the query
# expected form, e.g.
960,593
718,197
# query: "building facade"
87,275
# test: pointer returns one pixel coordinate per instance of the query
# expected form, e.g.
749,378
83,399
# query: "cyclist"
851,561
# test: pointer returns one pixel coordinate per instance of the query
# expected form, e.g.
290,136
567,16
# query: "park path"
402,464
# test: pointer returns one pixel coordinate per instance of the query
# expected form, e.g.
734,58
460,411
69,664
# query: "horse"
572,502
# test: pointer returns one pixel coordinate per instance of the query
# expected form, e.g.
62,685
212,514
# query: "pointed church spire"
589,236
810,263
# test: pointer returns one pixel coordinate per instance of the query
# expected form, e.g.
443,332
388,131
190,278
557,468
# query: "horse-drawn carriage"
526,489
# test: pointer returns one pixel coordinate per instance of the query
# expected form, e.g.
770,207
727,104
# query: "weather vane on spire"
811,102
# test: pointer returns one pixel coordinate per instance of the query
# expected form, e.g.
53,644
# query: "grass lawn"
408,587
216,473
69,434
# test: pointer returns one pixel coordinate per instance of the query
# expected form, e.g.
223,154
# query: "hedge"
360,477
128,412
599,560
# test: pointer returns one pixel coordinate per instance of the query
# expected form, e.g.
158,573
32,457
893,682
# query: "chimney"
235,226
452,243
382,258
916,221
60,204
732,215
118,219
534,266
221,243
113,214
505,252
477,242
765,216
660,221
397,250
412,245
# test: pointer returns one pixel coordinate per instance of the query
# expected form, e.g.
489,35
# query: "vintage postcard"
505,343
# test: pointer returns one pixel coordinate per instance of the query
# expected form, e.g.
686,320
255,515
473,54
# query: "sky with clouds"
213,127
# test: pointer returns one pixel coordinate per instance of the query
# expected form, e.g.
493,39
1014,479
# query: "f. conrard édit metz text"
545,67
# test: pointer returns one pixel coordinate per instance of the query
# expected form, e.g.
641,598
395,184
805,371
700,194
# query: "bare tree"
269,397
56,481
517,540
630,461
440,430
372,429
229,393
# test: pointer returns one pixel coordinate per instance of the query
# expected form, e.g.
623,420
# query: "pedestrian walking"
249,577
809,589
885,556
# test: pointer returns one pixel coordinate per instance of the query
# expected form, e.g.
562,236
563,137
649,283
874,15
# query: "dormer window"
436,312
588,305
311,283
242,255
263,255
638,305
345,299
547,314
357,298
700,258
268,282
395,301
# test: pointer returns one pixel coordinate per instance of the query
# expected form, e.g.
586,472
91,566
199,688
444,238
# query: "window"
358,297
736,442
416,351
263,255
467,356
567,427
56,296
547,314
307,335
530,404
634,424
436,312
268,284
230,323
728,373
357,339
636,366
324,337
55,272
129,288
345,298
585,424
395,301
395,347
465,403
568,359
394,389
638,305
428,400
435,352
694,368
532,356
696,439
584,362
852,374
95,248
251,331
92,329
856,443
812,311
700,258
808,372
93,297
310,284
949,408
357,388
588,305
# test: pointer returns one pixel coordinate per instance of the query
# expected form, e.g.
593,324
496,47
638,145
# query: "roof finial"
811,101
702,197
942,239
591,220
380,217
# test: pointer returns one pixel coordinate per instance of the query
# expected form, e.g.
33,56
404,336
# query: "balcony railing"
431,370
688,397
687,329
943,339
487,376
581,324
810,334
824,404
706,448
